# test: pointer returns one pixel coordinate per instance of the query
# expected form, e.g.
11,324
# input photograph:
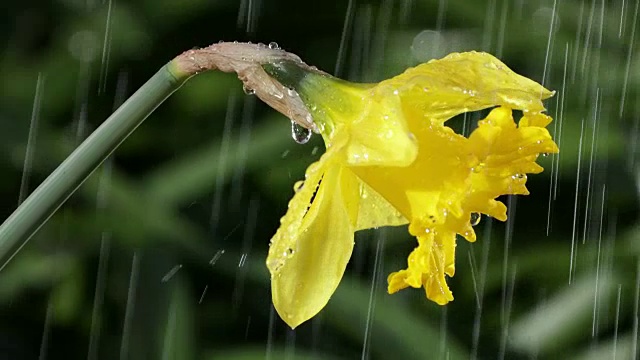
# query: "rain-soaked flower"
391,159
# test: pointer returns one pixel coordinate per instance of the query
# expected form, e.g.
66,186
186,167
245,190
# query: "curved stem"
56,189
246,60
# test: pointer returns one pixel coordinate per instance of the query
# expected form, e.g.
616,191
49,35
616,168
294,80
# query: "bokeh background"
160,255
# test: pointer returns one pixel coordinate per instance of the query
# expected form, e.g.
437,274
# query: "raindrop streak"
480,290
171,273
249,232
215,257
616,322
622,19
377,268
504,323
576,49
272,321
247,15
508,238
549,40
105,240
242,151
203,293
44,343
103,261
299,133
222,164
589,200
634,344
557,135
243,258
106,49
560,121
574,233
360,44
488,25
379,40
31,140
290,344
443,333
628,66
346,30
169,350
501,31
596,303
130,307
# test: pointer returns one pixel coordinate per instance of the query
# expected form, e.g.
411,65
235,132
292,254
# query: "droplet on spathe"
478,168
519,176
544,154
299,133
274,45
475,219
298,185
247,90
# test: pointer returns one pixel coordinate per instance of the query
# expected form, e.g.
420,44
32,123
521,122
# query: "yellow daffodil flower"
392,160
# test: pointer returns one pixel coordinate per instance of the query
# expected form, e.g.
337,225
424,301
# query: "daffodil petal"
375,211
427,265
380,136
312,266
464,82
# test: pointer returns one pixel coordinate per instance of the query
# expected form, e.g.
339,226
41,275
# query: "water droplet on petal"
298,185
274,45
475,219
247,90
519,176
478,168
299,133
544,154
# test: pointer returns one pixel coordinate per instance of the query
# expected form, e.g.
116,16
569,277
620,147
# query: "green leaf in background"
560,319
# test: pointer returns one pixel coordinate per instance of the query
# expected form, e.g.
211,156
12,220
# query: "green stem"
16,231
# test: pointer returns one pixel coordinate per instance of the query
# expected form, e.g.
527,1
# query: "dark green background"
212,170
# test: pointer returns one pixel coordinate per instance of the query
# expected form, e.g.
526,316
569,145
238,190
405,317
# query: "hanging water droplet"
299,133
519,176
544,154
475,219
298,185
274,45
247,90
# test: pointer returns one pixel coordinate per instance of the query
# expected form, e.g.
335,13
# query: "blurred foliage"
160,255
